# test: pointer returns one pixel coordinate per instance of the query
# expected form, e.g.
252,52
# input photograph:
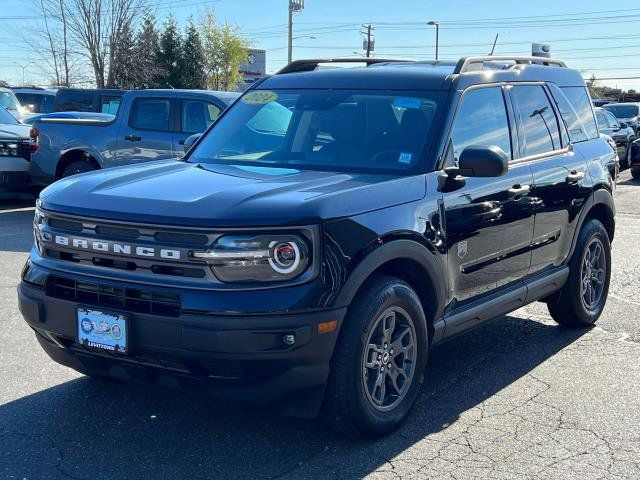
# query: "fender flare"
397,250
601,196
86,149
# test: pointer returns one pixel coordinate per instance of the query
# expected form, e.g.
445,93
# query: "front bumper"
240,357
14,174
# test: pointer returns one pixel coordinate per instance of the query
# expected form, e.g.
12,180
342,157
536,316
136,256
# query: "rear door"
195,116
147,133
488,221
558,173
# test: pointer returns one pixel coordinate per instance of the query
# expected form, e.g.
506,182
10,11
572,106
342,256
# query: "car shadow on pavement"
97,429
629,181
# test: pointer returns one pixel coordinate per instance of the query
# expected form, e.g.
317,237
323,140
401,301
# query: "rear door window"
481,120
540,132
151,114
613,122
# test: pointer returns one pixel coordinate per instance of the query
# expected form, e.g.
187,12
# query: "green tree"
225,49
171,54
147,52
191,62
125,68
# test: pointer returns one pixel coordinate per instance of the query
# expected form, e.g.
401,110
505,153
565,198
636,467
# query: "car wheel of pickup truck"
77,167
635,173
379,360
581,301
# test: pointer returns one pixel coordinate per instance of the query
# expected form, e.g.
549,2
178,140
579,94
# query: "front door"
147,135
488,221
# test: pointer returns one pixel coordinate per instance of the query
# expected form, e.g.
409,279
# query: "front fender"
395,250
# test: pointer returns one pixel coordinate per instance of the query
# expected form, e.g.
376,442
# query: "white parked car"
10,102
15,153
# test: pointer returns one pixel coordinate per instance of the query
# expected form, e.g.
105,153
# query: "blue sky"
587,36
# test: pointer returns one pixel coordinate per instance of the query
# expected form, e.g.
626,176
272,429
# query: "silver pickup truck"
149,125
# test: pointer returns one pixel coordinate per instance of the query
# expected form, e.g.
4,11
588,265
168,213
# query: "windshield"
7,118
623,111
9,101
371,131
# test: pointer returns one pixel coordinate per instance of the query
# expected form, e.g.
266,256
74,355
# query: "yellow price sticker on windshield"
260,97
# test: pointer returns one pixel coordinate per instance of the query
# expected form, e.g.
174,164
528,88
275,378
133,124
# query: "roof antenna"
493,49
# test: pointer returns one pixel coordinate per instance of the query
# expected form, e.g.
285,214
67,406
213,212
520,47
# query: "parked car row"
149,125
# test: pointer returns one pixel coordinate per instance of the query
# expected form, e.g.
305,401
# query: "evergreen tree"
149,73
124,66
191,63
170,54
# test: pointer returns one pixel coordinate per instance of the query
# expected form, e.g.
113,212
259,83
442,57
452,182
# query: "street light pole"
294,6
437,25
23,67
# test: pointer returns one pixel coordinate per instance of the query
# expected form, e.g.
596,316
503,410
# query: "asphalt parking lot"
518,398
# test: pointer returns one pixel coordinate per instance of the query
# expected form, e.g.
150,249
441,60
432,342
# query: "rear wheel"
635,173
379,360
581,301
74,168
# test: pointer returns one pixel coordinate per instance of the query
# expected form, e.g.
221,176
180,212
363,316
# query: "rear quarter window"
581,103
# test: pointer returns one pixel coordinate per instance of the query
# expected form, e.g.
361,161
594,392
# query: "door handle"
133,138
519,190
574,177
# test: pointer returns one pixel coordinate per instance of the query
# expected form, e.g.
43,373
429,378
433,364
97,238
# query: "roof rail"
469,64
309,65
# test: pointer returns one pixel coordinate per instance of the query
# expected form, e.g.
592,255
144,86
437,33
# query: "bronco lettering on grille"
117,248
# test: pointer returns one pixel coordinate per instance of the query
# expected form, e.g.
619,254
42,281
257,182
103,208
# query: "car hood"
178,193
8,131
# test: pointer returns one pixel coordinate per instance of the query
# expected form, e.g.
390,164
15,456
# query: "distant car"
149,125
600,102
31,119
11,104
105,100
15,153
634,163
611,164
621,132
627,112
36,99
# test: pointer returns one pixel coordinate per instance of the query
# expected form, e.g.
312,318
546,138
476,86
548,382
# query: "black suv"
329,228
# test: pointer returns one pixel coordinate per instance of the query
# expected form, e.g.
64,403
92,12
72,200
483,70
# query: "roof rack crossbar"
309,65
468,64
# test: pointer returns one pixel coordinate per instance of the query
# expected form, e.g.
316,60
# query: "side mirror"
481,161
624,125
188,143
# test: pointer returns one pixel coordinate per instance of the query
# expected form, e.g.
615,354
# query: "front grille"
13,179
132,236
104,295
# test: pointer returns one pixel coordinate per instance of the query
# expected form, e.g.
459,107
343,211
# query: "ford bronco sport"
329,228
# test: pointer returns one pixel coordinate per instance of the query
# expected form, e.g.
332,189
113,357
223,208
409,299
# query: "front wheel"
582,299
379,360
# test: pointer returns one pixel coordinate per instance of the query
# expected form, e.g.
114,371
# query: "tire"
74,168
352,403
635,173
576,305
624,164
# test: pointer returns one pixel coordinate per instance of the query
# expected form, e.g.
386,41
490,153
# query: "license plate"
102,330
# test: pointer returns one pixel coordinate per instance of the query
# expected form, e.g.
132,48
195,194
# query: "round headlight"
285,257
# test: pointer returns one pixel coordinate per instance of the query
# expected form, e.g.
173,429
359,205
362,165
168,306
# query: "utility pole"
294,7
368,46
